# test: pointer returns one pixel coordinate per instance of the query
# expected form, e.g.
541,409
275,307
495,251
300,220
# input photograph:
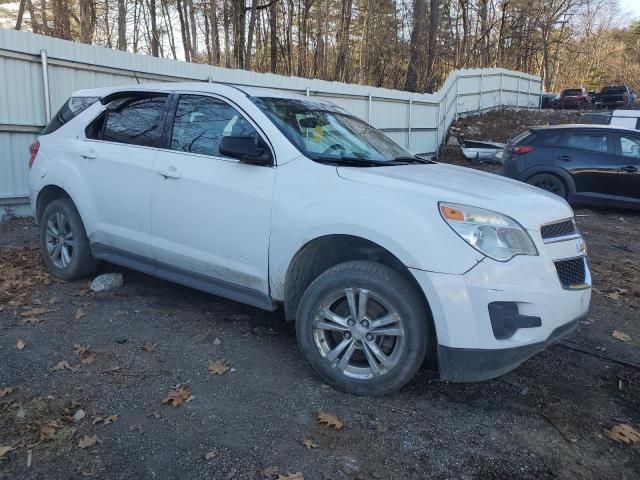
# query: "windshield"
573,91
324,132
614,90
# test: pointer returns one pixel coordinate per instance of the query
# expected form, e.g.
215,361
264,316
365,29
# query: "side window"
201,122
591,142
549,140
630,146
134,120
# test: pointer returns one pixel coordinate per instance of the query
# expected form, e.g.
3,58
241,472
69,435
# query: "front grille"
572,273
558,229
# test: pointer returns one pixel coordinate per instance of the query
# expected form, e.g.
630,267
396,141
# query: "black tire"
80,262
549,182
387,285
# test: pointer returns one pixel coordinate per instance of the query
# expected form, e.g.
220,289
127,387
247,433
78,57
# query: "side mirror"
245,149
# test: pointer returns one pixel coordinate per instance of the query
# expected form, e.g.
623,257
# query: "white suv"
382,258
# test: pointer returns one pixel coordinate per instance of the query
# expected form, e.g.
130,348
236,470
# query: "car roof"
626,113
582,126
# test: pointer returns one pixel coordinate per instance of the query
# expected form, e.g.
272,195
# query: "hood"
528,205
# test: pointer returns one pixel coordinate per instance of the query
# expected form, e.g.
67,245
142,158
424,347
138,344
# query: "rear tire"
549,182
373,350
64,243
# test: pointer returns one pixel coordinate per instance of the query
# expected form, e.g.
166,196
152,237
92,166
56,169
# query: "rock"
217,341
453,142
106,281
350,466
80,414
121,340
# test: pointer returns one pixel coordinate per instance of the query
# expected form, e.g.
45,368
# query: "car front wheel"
363,327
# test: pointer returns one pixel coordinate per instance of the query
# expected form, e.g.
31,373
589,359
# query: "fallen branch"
557,428
588,351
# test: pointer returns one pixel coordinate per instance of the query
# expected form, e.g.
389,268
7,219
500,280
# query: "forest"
400,44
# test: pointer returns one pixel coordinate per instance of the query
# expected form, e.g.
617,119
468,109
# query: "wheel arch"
318,255
553,170
48,194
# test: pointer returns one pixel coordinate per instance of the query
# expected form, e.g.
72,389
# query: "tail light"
33,151
520,149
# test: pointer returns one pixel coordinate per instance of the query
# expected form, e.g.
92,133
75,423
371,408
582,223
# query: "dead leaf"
6,391
105,420
34,312
79,314
136,426
623,433
209,455
219,367
177,396
309,443
80,349
48,430
88,360
5,450
87,441
270,472
621,336
290,476
149,347
19,344
64,365
330,420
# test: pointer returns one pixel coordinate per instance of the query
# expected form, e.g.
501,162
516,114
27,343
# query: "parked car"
574,98
590,164
278,200
617,118
549,100
616,96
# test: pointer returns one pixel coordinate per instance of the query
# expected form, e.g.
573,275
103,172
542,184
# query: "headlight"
491,233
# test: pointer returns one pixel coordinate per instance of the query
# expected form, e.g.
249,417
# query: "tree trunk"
215,35
252,26
122,25
20,14
154,28
416,47
434,21
273,37
342,41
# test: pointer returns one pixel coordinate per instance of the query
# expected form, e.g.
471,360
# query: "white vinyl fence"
38,73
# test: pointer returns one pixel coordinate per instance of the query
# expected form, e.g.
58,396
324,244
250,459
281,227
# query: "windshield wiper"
411,160
355,161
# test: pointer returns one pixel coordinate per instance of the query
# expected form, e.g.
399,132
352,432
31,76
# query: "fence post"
440,123
409,125
45,85
518,94
306,91
480,99
369,111
501,77
529,95
457,92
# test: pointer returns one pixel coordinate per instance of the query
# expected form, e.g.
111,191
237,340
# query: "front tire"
363,327
64,243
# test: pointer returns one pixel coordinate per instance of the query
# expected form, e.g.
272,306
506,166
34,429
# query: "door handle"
629,169
169,172
565,158
89,154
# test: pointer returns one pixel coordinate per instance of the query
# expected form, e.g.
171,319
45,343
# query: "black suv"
588,164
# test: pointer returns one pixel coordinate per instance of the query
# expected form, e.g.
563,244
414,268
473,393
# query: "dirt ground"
126,349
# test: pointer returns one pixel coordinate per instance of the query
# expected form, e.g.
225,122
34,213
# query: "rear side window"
134,120
573,91
592,142
550,139
71,108
525,137
595,119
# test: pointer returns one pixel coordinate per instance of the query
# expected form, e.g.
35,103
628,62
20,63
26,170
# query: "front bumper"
468,346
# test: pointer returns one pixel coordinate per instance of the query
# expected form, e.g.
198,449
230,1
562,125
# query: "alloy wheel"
59,240
359,333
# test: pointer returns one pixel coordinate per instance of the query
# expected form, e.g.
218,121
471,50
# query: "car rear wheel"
64,243
363,327
550,183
